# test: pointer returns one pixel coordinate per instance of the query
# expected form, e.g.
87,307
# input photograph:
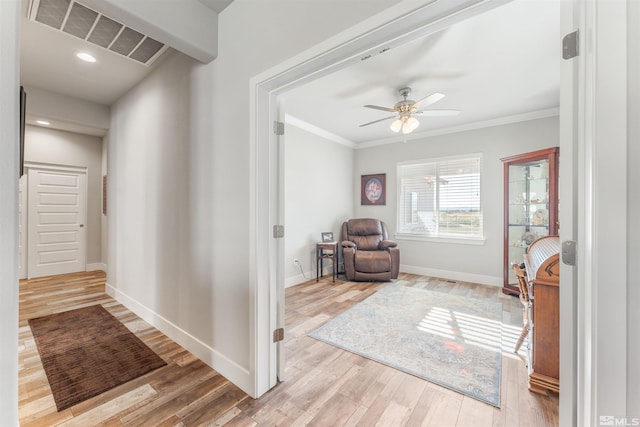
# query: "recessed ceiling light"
86,57
43,122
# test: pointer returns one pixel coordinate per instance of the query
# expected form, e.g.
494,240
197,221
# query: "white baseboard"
453,275
235,373
300,278
97,266
424,271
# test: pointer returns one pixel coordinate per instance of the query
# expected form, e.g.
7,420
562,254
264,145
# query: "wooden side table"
326,250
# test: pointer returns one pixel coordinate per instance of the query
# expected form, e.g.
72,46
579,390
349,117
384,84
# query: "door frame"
398,25
279,303
83,172
567,215
23,215
602,123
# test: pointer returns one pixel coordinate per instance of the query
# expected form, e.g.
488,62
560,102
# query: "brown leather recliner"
368,254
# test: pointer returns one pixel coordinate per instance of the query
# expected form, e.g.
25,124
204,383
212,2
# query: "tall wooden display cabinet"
530,206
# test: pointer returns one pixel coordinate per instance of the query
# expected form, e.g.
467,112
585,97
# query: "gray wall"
318,197
316,170
482,264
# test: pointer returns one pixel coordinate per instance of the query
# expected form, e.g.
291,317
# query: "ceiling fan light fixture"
412,124
396,125
405,109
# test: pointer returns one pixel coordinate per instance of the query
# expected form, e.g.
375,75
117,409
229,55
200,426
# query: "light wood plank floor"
324,386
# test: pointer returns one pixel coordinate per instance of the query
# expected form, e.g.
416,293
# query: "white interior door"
22,227
56,222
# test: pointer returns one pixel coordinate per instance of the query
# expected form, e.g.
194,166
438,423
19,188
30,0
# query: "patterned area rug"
446,339
87,351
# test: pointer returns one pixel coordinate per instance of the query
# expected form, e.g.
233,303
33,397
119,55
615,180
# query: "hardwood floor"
324,386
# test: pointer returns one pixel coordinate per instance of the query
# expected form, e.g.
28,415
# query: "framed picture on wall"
373,189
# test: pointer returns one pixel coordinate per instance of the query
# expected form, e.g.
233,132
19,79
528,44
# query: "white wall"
318,197
9,136
179,179
150,256
58,147
66,112
633,200
480,264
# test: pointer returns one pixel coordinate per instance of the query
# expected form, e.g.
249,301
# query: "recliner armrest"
348,244
386,244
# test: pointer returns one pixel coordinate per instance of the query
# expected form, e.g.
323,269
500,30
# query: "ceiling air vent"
77,20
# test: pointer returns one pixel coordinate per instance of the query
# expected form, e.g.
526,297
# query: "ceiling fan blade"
429,99
437,113
379,120
377,107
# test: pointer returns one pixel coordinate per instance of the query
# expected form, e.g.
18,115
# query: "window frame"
444,238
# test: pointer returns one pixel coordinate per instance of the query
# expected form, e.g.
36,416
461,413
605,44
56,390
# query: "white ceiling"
47,61
502,63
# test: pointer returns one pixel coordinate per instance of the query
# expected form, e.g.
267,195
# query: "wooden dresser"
542,263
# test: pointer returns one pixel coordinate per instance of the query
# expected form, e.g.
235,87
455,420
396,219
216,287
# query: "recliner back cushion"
365,233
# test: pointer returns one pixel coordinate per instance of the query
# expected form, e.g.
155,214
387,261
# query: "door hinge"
569,250
278,231
278,128
278,335
570,45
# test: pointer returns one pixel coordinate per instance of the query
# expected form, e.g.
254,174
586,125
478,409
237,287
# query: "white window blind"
441,197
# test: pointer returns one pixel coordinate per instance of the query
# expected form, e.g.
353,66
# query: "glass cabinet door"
530,206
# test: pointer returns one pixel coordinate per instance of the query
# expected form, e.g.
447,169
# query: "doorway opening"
266,90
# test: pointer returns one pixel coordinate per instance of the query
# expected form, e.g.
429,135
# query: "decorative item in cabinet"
530,206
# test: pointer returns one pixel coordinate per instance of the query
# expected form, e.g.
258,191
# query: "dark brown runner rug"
87,351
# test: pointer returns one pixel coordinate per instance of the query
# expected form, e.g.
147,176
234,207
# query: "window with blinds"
441,197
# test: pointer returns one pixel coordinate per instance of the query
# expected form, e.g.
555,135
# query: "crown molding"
294,121
533,115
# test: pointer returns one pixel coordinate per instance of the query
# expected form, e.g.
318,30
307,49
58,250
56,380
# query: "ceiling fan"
407,108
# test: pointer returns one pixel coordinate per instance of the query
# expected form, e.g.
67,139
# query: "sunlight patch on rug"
450,340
